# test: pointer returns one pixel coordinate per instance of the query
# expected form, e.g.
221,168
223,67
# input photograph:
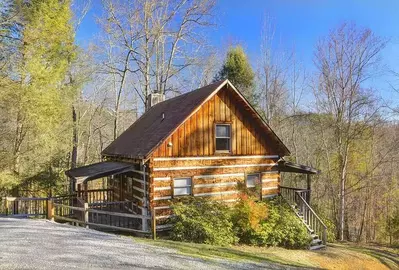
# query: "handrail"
313,212
94,190
292,188
70,207
109,203
297,197
118,214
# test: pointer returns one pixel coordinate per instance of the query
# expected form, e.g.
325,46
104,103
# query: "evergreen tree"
237,69
38,106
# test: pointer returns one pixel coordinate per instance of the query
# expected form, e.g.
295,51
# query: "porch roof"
286,166
98,170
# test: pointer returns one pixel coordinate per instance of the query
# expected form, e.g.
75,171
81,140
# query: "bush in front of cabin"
202,221
282,227
247,217
269,223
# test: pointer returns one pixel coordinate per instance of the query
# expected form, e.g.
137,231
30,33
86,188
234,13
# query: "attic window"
223,137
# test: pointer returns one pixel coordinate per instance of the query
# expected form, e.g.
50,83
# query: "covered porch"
108,207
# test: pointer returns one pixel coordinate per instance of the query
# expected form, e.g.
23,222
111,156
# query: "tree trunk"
74,154
342,194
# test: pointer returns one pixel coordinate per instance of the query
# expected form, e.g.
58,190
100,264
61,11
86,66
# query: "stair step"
318,247
314,236
316,242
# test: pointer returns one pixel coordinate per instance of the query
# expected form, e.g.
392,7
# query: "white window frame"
229,137
250,174
187,186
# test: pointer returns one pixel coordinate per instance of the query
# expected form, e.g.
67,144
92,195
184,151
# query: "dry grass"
334,257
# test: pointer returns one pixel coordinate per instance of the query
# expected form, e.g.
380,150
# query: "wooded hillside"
63,101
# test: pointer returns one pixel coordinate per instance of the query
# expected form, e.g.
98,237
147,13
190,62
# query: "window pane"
182,182
182,191
223,144
252,180
222,131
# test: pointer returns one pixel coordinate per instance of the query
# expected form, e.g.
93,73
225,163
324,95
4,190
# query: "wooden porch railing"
99,213
96,195
121,206
297,199
26,207
110,220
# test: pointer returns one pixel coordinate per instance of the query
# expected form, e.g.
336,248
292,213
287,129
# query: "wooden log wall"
131,185
196,136
216,178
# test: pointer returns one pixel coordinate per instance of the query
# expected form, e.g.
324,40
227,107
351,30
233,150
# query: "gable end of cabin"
220,146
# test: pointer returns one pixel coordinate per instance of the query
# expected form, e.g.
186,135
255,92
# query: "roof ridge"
187,93
150,128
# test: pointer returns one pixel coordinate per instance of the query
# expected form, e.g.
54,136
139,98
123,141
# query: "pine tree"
39,104
237,69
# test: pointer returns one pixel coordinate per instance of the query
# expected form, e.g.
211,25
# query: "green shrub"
283,228
247,217
250,222
277,225
202,221
331,230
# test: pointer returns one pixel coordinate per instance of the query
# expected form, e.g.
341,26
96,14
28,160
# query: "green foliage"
36,99
237,69
249,222
392,228
331,230
8,180
247,217
202,221
280,227
48,51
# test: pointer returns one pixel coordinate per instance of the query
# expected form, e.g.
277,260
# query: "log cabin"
203,143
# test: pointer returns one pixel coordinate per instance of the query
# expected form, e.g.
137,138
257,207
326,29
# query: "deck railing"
297,199
110,220
23,207
116,216
121,206
96,195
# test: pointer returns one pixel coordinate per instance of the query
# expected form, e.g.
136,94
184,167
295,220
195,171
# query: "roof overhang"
286,166
98,170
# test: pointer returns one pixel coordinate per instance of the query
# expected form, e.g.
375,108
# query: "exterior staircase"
298,200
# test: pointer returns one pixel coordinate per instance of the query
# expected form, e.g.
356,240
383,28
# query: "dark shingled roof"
150,129
98,170
286,166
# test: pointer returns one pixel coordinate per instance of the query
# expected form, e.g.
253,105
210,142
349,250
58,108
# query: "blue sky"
298,23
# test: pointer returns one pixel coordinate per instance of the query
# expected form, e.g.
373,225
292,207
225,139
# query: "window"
253,180
182,186
223,136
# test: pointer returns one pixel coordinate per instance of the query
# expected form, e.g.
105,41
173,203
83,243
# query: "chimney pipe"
153,99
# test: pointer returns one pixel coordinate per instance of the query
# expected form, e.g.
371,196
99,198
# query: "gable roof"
151,129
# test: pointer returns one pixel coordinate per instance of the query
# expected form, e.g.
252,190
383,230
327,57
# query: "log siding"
196,136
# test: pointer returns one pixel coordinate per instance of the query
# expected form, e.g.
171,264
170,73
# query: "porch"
299,201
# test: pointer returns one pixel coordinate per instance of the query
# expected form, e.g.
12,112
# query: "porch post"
86,198
309,188
145,205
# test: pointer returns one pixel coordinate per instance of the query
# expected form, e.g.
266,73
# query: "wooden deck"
99,212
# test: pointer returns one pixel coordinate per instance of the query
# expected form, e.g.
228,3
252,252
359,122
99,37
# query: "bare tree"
272,76
157,39
345,60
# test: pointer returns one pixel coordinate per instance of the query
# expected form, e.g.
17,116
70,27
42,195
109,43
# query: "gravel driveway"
41,244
